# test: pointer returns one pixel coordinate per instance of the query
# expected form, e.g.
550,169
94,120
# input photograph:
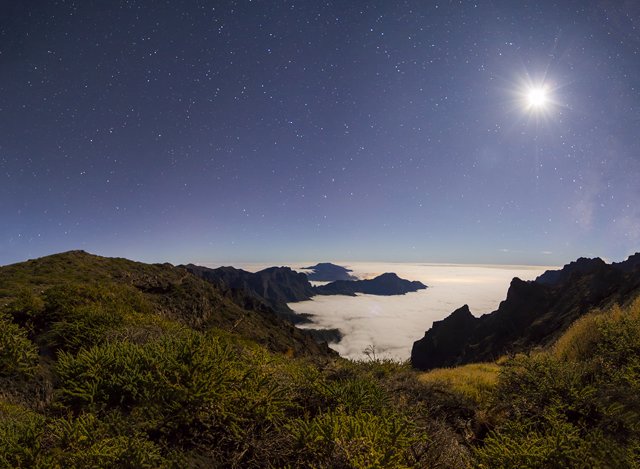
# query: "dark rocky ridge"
534,314
328,272
385,284
276,286
273,287
581,266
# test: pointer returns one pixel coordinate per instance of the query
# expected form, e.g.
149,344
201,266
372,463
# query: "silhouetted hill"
385,284
273,287
328,272
534,314
168,292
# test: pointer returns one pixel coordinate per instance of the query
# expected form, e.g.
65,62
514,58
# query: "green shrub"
72,316
357,394
20,434
18,355
361,440
26,309
186,390
528,444
85,441
83,326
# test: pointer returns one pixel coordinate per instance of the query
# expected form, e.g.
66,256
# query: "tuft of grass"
476,381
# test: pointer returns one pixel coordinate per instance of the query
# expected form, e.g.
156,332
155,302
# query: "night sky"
237,131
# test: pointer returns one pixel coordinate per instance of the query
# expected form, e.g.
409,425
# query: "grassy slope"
476,380
171,293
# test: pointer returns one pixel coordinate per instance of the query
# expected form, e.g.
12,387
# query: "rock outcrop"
385,284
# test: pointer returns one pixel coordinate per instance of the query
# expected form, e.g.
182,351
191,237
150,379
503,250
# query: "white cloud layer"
393,323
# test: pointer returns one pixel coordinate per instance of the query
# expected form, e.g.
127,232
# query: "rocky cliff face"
276,286
534,314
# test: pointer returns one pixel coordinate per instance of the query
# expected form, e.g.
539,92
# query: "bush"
20,433
85,441
26,309
361,440
556,443
187,390
18,355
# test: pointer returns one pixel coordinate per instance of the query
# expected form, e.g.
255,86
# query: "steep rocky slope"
534,314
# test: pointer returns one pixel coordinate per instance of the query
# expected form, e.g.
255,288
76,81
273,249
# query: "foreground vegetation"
101,374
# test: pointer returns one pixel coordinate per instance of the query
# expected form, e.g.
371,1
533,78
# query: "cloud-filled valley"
393,323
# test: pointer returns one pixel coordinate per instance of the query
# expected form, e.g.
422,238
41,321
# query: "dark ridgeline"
386,285
534,314
273,287
277,286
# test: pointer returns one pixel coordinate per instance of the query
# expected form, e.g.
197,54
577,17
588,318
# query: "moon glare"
537,98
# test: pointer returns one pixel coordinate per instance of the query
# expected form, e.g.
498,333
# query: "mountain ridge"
533,314
172,292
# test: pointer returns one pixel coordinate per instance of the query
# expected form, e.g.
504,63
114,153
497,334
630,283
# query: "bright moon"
537,97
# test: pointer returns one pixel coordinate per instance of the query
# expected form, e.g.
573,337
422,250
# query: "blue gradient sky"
240,131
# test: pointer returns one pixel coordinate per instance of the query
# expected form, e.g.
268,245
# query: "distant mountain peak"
328,272
386,284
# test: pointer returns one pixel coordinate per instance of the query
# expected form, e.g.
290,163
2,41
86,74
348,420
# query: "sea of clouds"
392,323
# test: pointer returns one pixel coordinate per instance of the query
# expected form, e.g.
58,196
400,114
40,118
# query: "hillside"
534,314
169,292
110,363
